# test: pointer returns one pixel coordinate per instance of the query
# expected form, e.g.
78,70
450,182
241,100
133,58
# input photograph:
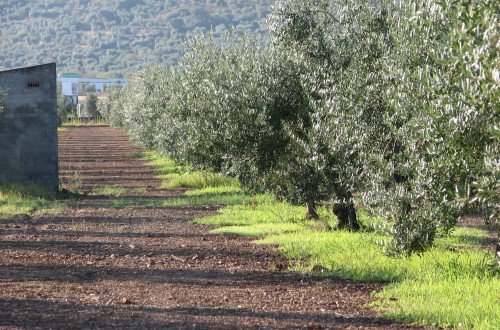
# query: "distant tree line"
390,106
114,37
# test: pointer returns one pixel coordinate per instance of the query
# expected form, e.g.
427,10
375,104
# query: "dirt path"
94,266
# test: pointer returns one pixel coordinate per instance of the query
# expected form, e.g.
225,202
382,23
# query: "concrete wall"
28,126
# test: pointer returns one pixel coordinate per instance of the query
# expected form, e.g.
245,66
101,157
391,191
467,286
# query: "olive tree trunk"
345,211
311,210
498,248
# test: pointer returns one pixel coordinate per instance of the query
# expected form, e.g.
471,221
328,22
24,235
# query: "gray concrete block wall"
28,126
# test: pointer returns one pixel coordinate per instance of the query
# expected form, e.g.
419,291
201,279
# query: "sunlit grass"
456,273
119,203
76,121
220,190
163,165
260,229
108,191
175,176
459,302
18,199
357,256
196,179
261,210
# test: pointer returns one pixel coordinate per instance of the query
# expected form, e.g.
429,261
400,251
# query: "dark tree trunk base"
311,211
346,215
498,249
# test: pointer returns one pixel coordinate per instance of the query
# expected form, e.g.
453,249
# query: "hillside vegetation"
116,36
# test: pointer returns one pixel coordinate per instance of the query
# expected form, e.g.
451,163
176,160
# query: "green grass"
464,238
458,302
206,188
175,176
215,191
75,121
119,203
257,211
17,199
196,179
358,256
109,191
450,285
260,229
163,165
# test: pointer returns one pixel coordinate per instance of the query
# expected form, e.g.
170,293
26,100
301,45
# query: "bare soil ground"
93,266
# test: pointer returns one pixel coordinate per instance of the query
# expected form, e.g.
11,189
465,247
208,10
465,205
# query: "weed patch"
176,176
16,199
461,302
449,285
215,191
77,122
454,273
261,229
108,191
118,203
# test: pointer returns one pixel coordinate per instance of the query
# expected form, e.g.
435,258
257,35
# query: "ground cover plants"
76,121
20,199
454,284
341,102
175,176
142,267
386,110
458,272
455,273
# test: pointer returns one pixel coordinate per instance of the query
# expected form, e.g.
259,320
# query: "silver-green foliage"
444,110
470,75
90,105
396,101
408,128
340,47
220,99
110,107
147,110
249,114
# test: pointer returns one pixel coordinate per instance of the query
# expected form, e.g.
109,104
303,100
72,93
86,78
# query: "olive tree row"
394,103
443,115
111,107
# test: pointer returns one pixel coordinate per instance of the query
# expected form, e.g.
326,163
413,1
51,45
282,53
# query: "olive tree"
404,127
142,102
247,114
392,102
469,79
111,107
90,105
442,115
339,46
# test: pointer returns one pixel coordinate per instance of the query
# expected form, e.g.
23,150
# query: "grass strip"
17,199
456,273
108,191
119,203
458,302
451,285
175,176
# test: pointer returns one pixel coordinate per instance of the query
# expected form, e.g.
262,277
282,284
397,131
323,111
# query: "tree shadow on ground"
61,315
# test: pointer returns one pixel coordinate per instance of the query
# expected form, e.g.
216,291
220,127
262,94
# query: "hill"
114,36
